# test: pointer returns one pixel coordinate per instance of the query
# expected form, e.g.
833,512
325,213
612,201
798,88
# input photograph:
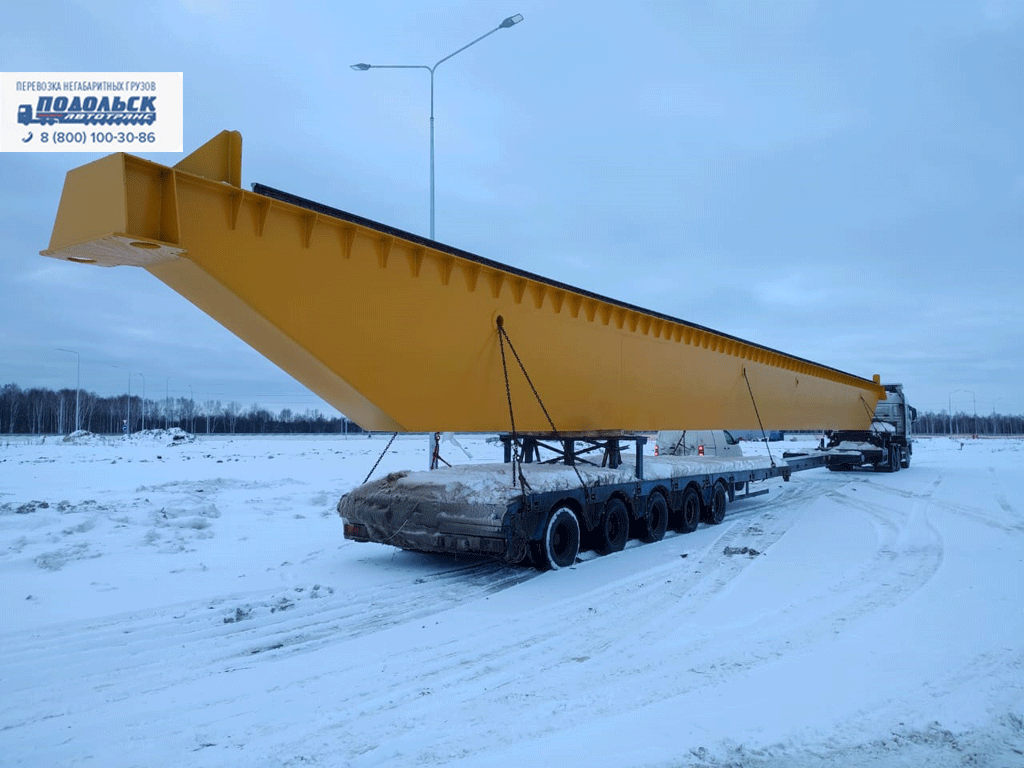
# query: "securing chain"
870,414
367,478
502,338
517,463
435,454
766,443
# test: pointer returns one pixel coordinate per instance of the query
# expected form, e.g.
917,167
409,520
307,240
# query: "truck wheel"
905,461
560,542
655,522
894,463
688,516
897,458
715,511
613,530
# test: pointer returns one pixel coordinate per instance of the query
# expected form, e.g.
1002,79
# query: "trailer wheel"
715,511
688,517
655,522
613,530
560,543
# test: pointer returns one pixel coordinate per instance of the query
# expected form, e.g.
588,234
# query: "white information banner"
91,111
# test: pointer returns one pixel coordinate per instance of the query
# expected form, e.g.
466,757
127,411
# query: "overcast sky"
840,181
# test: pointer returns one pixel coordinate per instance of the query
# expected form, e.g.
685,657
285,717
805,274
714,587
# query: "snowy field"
196,605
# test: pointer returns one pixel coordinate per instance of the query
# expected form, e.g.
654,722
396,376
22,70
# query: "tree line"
38,411
931,423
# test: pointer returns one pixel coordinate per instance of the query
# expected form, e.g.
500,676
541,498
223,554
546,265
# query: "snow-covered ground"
195,604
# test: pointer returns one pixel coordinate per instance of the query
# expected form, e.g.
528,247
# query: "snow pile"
84,437
171,436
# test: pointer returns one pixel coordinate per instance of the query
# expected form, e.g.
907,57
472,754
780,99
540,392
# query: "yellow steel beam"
400,333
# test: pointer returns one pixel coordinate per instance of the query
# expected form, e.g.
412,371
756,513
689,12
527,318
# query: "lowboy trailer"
547,512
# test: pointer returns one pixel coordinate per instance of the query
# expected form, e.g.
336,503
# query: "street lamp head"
511,21
360,67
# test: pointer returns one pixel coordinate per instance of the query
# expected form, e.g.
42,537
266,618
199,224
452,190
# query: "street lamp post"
951,409
78,386
511,21
143,402
128,404
995,422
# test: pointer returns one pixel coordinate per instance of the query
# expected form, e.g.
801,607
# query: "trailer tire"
559,544
714,513
655,522
689,514
613,529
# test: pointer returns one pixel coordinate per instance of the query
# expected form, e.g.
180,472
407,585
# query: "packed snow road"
195,604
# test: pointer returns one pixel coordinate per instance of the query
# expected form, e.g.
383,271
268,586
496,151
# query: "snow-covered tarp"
497,484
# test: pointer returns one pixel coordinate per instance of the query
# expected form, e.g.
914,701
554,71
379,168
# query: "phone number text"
98,137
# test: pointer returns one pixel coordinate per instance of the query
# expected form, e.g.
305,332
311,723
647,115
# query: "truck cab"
888,444
710,443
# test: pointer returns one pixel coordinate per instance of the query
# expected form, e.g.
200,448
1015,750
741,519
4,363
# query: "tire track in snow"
394,706
439,671
120,657
910,552
598,657
604,656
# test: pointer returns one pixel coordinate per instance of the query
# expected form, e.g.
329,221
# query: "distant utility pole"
143,401
78,386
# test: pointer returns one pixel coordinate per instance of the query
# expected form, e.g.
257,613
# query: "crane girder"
401,333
